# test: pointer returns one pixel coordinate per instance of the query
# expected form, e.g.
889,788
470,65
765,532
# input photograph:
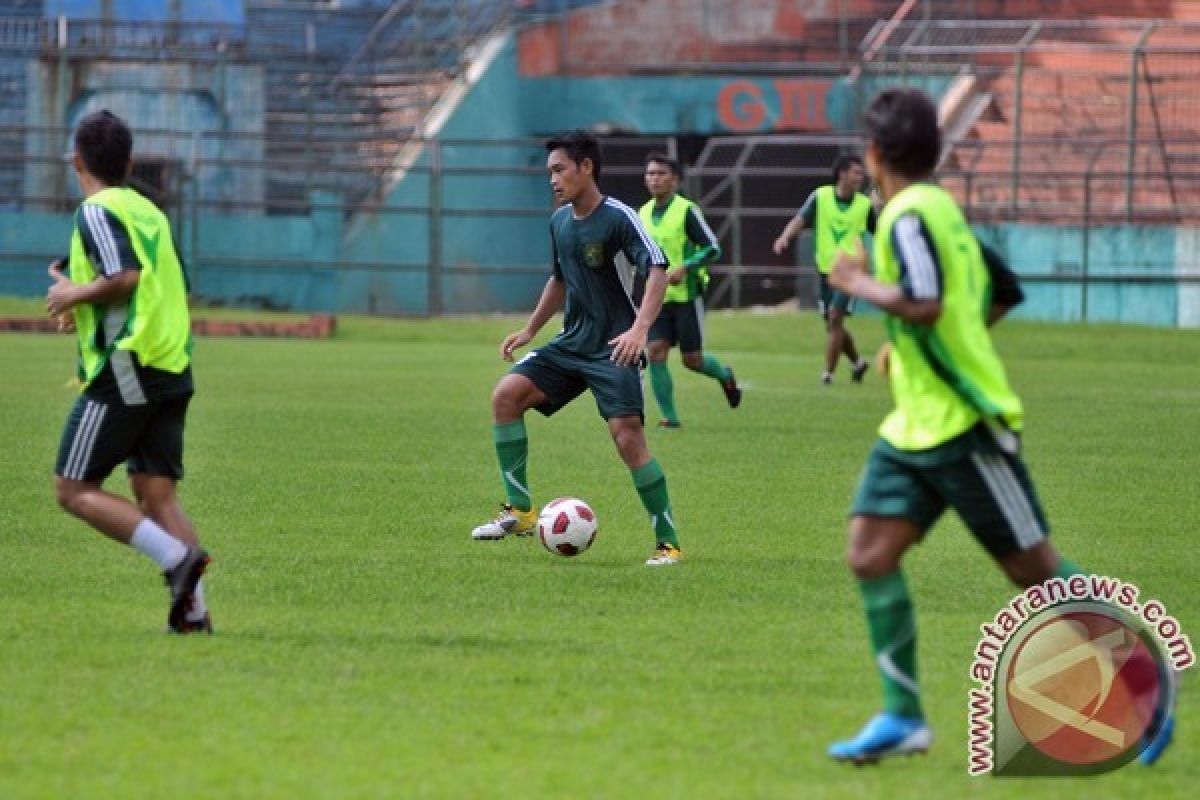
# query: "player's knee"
156,507
1031,567
657,351
1021,575
869,557
153,493
631,444
506,402
863,562
68,494
693,361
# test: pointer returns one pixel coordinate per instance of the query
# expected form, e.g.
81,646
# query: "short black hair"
579,145
903,125
105,144
668,162
844,163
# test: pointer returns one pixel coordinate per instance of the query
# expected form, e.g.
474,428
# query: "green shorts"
100,434
830,298
988,487
680,324
562,376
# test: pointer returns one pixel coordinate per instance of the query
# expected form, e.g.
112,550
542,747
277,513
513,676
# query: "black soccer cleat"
182,582
733,392
203,625
859,371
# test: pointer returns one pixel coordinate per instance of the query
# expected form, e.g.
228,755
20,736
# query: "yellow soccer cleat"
665,554
510,522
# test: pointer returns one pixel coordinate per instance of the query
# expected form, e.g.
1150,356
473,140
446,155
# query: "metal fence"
476,210
1110,107
717,36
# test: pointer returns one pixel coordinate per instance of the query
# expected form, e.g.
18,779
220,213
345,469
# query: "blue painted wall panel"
226,11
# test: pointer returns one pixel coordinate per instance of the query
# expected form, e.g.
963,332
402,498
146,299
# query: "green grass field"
366,647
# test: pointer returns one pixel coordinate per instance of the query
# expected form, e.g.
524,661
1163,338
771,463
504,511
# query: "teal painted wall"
1051,258
260,261
234,260
497,261
494,249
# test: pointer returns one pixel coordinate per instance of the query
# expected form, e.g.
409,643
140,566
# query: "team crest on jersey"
593,255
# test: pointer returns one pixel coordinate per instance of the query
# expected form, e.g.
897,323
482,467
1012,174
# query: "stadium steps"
1070,100
367,86
623,36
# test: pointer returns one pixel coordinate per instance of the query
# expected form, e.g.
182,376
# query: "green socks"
664,390
664,386
652,488
893,629
512,449
714,369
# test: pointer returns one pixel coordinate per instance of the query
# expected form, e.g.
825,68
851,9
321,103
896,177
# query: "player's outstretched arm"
553,296
790,231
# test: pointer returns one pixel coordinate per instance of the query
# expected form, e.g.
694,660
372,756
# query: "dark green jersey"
598,257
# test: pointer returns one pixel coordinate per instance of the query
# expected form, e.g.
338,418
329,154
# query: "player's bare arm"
790,231
849,275
628,347
64,294
550,303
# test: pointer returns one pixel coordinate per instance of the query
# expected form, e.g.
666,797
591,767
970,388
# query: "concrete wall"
493,251
1051,259
201,102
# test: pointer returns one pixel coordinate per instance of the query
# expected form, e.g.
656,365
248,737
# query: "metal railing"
366,77
279,32
1111,80
458,203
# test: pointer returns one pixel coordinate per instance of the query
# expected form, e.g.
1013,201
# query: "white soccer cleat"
510,522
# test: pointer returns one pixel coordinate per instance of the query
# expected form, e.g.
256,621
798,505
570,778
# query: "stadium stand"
357,125
344,87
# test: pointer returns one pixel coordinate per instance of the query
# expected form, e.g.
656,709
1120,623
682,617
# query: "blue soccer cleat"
1159,744
885,735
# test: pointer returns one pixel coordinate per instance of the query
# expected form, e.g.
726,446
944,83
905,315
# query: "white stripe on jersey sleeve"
918,261
712,237
656,253
101,234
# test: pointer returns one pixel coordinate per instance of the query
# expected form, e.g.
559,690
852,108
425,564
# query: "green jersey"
945,377
598,257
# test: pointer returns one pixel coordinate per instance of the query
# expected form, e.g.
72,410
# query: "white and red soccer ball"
567,526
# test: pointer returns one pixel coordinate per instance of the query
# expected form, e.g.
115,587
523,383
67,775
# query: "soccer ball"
567,526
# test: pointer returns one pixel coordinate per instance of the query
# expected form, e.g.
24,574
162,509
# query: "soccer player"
126,298
597,243
953,438
839,214
678,226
